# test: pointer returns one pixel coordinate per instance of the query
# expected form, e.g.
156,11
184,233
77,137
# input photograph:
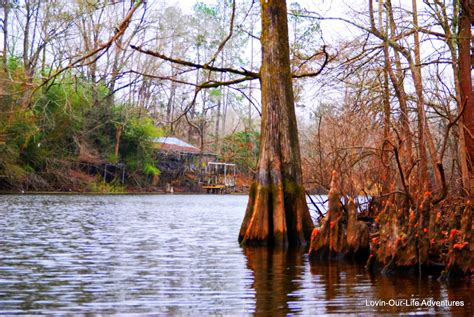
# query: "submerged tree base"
341,235
421,240
276,215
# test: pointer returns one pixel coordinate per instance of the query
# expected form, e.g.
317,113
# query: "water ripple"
170,254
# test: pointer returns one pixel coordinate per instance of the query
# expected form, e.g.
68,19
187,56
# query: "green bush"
242,148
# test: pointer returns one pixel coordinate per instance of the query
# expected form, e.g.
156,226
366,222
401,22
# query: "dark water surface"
177,254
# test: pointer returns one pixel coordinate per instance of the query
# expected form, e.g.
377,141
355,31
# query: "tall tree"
277,212
466,18
5,5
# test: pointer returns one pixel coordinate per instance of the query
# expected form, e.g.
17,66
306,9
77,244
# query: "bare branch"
206,84
224,42
242,72
248,98
100,49
314,74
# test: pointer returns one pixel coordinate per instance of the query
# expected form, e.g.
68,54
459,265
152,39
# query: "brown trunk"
6,11
415,68
171,101
118,134
277,212
329,241
452,42
428,136
397,80
386,123
460,240
466,184
384,163
115,73
219,114
462,156
357,234
466,86
217,127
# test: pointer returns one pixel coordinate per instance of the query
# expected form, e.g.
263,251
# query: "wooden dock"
214,188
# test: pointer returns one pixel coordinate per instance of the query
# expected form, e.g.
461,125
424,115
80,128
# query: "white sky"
334,8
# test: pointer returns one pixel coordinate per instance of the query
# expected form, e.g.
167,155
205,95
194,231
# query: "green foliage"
17,125
21,129
206,9
149,169
139,129
62,112
242,148
215,93
45,135
14,64
304,32
104,187
136,147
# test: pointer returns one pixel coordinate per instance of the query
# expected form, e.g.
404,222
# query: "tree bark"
6,10
118,134
421,111
341,235
277,212
452,42
466,87
397,80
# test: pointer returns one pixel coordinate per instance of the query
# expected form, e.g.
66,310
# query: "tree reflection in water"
277,278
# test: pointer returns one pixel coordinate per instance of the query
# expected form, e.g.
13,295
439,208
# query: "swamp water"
178,254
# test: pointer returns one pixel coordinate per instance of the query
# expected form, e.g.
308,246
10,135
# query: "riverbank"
134,193
79,182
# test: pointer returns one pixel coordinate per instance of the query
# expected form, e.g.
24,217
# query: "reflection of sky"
123,253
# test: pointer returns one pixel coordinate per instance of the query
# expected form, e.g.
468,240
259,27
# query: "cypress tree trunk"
277,212
465,79
460,256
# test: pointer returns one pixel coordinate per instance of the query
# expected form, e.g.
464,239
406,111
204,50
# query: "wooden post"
123,174
105,173
225,175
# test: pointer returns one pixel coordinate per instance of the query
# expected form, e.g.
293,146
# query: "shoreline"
72,193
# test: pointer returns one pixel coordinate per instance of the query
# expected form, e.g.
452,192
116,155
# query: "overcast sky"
334,8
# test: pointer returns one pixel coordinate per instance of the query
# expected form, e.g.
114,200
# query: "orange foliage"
460,245
454,233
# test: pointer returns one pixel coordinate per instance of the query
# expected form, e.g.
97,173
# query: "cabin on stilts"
184,165
181,164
